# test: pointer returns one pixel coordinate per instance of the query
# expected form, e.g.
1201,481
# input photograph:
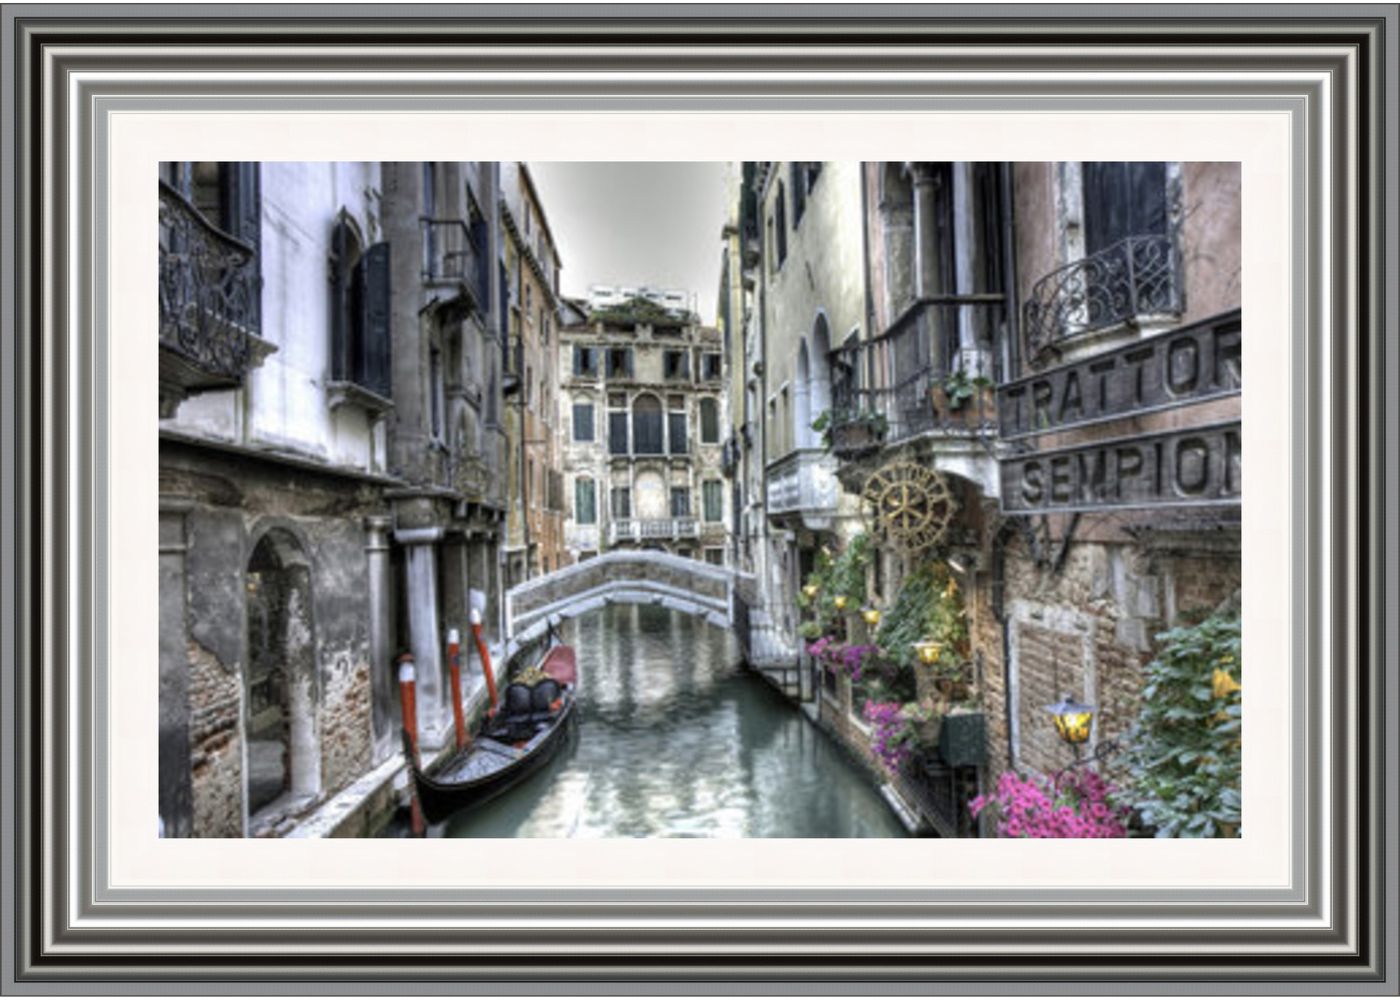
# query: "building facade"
642,428
535,537
329,368
896,303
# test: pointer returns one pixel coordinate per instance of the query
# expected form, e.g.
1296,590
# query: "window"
713,499
675,365
619,362
583,422
711,366
1122,200
675,426
646,426
585,502
429,213
529,383
680,501
709,421
780,226
797,177
585,361
621,502
715,557
360,339
617,430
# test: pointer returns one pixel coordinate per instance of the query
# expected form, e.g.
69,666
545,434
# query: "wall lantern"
839,602
928,652
810,591
871,615
1072,720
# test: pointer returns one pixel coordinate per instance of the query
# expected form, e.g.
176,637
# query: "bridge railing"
626,576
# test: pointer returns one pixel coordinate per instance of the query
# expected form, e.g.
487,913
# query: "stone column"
928,264
173,750
973,331
425,630
381,667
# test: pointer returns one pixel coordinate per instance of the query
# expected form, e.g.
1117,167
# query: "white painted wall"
284,402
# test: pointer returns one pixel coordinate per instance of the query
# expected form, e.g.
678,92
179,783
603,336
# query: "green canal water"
677,739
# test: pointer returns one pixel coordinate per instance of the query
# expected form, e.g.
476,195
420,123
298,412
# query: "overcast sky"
625,223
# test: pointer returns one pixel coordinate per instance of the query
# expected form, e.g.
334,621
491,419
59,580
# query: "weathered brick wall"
216,748
346,722
1086,631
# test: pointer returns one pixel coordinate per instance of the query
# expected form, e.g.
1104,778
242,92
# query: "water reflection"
676,740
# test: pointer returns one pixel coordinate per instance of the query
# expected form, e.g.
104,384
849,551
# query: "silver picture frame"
69,70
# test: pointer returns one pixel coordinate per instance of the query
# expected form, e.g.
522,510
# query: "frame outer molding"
62,65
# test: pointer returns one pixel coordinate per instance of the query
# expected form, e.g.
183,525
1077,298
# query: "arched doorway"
279,705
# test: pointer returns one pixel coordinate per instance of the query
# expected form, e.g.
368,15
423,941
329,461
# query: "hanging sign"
1194,467
1190,365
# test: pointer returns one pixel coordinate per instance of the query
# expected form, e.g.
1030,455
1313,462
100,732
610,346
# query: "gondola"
517,741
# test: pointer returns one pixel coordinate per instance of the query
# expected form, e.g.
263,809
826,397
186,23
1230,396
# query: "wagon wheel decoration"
912,505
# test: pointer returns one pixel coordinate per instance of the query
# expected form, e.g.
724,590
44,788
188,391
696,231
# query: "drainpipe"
1008,276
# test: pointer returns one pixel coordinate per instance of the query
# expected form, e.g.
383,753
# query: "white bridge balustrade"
686,585
667,529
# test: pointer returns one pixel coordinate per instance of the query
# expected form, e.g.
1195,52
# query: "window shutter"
375,364
241,204
341,317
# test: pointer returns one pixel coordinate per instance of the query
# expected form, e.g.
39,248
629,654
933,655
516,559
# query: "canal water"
676,739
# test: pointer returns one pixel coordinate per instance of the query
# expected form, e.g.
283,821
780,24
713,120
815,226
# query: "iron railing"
1136,277
940,792
911,379
451,256
209,290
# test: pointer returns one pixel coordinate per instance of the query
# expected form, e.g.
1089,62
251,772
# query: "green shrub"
1184,752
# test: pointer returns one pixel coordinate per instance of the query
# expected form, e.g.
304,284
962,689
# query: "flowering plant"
1075,804
853,659
893,737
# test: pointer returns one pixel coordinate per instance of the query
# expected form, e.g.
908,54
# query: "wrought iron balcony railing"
209,295
452,255
1134,278
909,380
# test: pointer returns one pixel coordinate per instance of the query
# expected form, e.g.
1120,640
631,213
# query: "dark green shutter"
341,318
376,343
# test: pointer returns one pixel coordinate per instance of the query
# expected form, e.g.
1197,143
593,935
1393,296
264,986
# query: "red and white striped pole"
407,680
454,665
485,655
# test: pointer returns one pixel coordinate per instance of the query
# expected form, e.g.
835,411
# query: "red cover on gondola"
559,664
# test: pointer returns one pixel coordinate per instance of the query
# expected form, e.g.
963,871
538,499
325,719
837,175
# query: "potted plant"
957,390
851,431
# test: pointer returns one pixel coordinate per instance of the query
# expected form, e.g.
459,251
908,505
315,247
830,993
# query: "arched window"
648,437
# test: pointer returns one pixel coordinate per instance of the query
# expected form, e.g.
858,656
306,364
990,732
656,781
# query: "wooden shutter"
376,342
240,208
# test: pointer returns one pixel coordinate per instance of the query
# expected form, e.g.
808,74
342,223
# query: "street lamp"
1072,721
928,651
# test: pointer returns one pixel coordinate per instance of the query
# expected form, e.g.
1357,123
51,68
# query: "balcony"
1130,282
804,483
209,304
659,529
919,383
454,258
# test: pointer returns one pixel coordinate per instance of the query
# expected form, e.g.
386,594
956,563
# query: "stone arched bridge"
717,594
